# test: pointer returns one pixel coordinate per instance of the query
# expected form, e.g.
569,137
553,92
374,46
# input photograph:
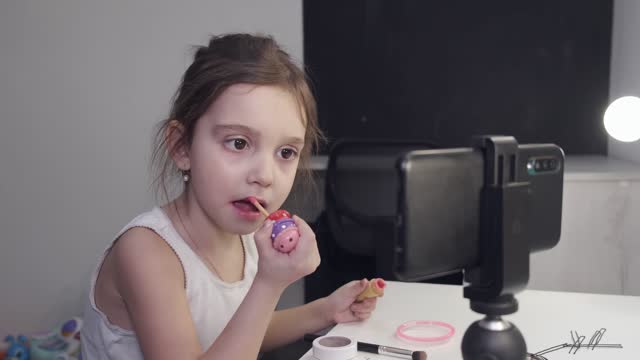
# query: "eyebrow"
240,128
294,140
246,129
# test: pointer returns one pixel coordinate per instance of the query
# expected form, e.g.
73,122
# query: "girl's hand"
281,269
342,306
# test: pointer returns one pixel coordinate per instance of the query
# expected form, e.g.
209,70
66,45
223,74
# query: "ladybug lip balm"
285,233
279,214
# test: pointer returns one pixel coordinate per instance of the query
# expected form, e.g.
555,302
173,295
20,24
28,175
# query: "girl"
198,277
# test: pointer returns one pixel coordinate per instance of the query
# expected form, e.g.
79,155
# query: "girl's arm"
288,325
150,280
341,306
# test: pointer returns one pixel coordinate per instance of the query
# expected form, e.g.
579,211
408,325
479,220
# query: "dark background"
446,70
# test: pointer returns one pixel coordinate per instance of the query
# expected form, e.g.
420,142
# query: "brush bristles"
419,355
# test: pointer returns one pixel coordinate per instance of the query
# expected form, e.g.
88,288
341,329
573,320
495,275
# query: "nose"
262,171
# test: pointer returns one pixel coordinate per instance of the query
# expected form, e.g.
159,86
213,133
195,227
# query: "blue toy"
18,348
62,343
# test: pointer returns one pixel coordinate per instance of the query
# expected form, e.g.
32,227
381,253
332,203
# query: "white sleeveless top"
212,302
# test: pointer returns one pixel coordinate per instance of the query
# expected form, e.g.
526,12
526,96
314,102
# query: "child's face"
246,144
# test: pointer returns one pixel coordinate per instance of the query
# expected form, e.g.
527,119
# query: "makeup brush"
381,349
392,351
255,203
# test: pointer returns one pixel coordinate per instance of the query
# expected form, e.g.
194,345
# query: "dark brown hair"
227,60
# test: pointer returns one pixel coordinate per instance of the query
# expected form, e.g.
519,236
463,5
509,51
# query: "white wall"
599,251
82,83
625,67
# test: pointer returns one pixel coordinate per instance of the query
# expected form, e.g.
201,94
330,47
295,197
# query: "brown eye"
288,154
239,144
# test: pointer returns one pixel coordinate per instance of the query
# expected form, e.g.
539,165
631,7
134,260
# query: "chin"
243,228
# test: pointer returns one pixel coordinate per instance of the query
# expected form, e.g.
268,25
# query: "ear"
177,148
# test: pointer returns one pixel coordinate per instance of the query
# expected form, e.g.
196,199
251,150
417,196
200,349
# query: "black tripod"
503,267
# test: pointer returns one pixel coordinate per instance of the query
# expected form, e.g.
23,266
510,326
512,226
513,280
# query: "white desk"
545,319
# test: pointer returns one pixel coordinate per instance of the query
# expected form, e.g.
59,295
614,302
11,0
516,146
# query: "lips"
245,206
252,200
246,209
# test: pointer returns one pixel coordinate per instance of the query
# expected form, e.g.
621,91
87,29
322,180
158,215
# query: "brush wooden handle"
259,207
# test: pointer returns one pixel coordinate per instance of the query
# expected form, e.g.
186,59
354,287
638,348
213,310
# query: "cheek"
211,165
287,178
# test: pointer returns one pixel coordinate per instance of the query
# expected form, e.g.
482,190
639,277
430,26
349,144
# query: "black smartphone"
439,207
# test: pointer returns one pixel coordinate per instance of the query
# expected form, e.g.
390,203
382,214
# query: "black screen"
446,70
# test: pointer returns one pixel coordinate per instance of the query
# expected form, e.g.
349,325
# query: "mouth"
247,205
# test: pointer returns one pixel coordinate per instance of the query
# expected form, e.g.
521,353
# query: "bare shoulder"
150,281
131,269
140,254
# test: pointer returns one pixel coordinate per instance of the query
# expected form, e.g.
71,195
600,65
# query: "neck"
221,251
200,228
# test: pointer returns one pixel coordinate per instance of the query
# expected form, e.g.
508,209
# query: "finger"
357,285
263,234
307,241
304,228
361,315
266,227
366,305
363,283
370,302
